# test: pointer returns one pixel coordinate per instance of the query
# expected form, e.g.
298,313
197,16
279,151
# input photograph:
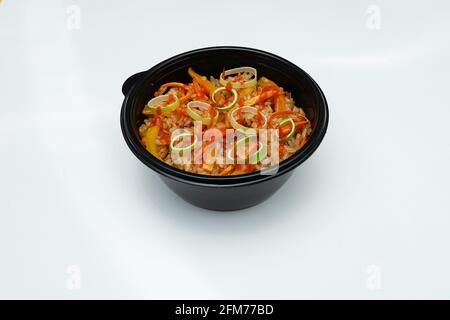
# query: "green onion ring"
260,154
239,126
250,83
291,122
236,146
151,106
182,149
228,106
201,105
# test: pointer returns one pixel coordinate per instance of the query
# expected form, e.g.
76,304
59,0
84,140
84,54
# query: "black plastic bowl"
232,192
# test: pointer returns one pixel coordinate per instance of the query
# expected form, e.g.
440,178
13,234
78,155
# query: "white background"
367,216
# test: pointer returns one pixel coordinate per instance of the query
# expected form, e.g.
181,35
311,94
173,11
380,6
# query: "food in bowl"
231,192
231,125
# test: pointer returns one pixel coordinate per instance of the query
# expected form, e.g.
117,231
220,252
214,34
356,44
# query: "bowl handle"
131,81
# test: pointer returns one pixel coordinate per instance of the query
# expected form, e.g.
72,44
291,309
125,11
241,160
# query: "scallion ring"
204,106
239,84
252,110
291,122
177,138
257,156
228,106
154,103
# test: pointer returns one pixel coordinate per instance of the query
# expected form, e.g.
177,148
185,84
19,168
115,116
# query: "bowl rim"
168,171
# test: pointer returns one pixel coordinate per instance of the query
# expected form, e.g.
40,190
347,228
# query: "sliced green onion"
291,122
230,152
259,154
250,83
239,126
231,104
201,105
182,135
152,105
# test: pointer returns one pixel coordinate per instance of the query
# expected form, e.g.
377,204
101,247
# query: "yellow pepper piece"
246,91
150,140
238,172
263,82
251,101
202,81
227,170
280,103
208,167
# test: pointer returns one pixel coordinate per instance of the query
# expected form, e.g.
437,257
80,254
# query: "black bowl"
231,192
